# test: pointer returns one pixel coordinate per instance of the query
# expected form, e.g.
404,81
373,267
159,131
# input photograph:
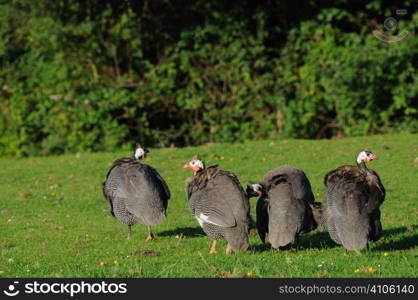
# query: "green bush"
348,84
88,75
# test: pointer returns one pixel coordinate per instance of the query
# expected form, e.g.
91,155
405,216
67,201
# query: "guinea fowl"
285,204
220,205
354,195
136,192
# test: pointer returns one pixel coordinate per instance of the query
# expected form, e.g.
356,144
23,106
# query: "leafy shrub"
94,75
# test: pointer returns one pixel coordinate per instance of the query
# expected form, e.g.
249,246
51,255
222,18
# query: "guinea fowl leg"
213,247
150,236
129,233
296,243
228,250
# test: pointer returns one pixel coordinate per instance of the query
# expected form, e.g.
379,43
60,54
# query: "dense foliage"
90,75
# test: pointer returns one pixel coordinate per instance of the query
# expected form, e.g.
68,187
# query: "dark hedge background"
90,75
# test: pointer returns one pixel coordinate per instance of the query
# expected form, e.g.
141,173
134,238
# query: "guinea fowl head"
254,190
196,164
364,157
140,152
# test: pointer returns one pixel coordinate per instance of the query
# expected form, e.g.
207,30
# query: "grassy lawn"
54,221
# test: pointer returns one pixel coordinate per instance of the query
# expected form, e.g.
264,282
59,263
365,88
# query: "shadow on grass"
321,240
260,247
318,240
399,238
186,231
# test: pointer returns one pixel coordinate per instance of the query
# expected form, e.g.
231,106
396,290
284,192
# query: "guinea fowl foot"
150,238
213,251
228,250
213,248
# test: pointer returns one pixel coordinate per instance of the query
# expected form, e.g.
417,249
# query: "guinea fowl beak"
186,165
370,158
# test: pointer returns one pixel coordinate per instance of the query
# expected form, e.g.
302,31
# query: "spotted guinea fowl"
220,205
136,192
285,204
354,195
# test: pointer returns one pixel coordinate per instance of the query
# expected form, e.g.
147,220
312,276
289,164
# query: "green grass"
54,221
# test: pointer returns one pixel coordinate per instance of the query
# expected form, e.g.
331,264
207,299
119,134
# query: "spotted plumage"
136,193
284,207
218,202
352,209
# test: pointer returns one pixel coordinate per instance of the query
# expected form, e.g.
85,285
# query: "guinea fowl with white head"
136,192
354,195
219,204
